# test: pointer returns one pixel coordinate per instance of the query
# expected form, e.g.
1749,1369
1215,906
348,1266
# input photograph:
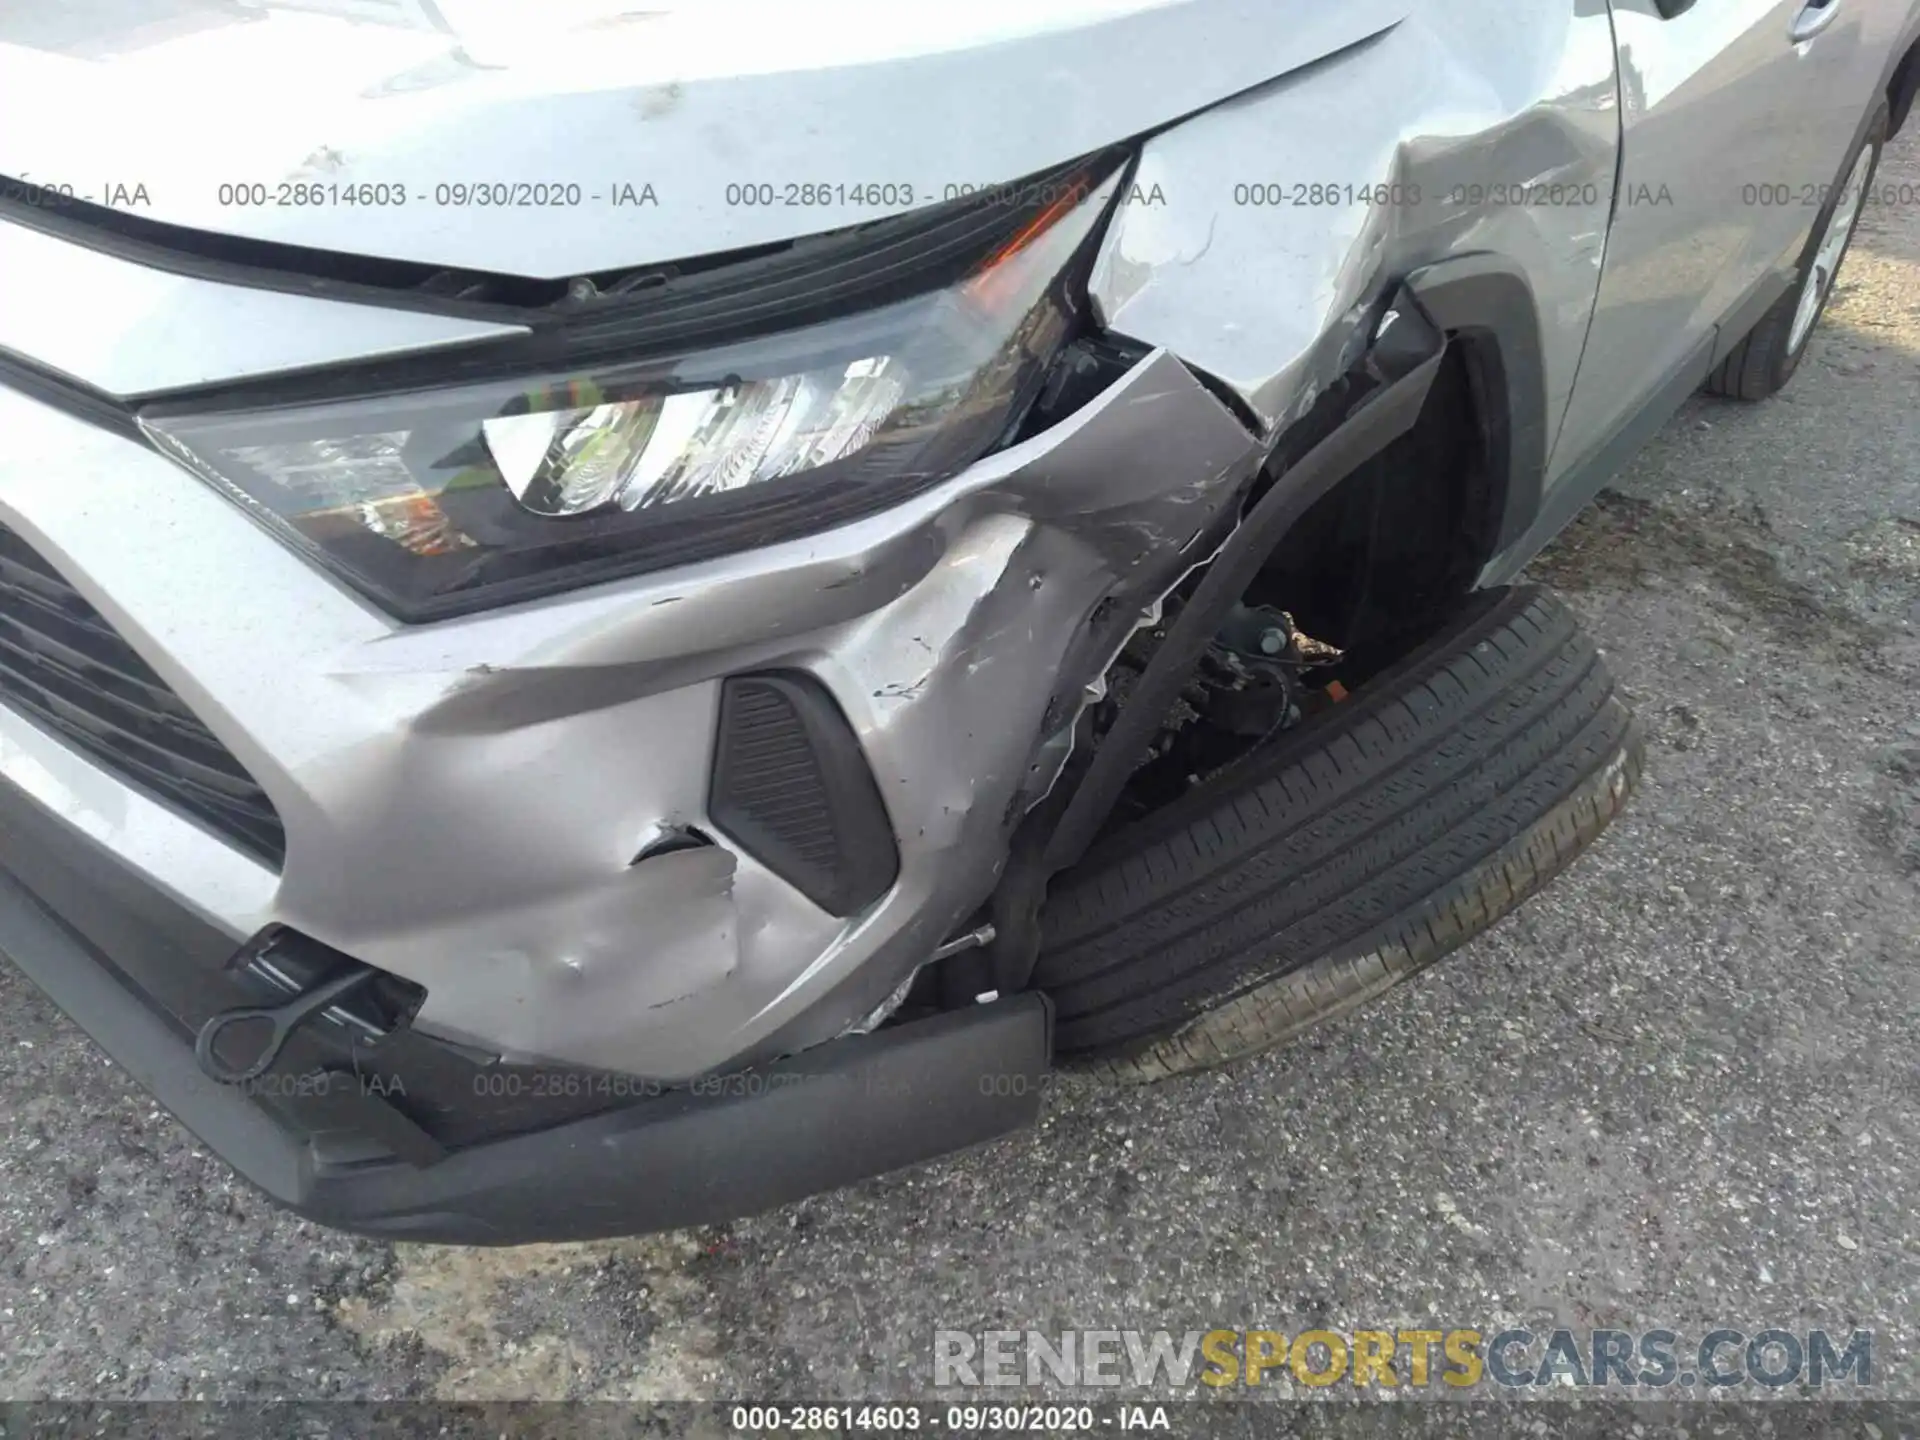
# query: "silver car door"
1733,114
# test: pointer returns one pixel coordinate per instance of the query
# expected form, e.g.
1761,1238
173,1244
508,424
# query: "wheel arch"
1902,86
1485,305
1411,530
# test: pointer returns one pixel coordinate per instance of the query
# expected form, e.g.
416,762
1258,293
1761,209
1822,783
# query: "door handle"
1814,16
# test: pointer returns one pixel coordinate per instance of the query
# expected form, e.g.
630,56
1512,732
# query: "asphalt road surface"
1677,1089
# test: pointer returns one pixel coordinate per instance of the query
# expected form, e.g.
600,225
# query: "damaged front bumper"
530,1153
478,806
563,821
648,864
635,993
437,1132
525,814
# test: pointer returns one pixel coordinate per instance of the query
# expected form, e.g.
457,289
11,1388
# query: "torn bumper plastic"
418,1137
476,806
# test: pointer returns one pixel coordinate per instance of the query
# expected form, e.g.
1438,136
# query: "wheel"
1362,847
1766,359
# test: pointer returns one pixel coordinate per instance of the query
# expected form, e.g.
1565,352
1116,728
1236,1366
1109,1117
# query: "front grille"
63,666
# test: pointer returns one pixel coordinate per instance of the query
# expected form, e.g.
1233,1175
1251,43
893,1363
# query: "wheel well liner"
1476,303
1380,558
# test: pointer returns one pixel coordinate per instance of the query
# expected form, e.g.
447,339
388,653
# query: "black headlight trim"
726,299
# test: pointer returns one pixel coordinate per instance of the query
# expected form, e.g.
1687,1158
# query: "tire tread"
1369,843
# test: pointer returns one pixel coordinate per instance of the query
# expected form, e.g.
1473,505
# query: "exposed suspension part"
1245,688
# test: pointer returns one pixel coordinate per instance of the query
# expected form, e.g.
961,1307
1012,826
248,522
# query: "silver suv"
610,617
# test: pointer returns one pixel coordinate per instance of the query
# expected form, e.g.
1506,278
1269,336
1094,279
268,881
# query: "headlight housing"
434,499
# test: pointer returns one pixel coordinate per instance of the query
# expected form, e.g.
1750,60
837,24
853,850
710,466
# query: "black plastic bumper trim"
841,1112
845,1111
792,785
141,1042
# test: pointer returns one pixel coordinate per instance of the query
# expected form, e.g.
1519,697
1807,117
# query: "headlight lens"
665,447
435,501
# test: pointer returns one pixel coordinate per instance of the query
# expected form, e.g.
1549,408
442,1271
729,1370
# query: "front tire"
1766,358
1357,850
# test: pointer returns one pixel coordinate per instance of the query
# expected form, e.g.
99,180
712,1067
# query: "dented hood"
567,136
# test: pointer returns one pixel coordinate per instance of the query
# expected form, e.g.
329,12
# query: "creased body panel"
1257,235
464,801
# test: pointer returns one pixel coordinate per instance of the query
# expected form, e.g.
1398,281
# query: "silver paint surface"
229,890
129,329
1716,102
876,106
464,801
1268,297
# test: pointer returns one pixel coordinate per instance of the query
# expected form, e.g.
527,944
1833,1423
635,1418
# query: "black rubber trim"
142,1043
68,393
842,1112
1486,301
838,1113
704,303
270,264
1581,481
792,787
1902,85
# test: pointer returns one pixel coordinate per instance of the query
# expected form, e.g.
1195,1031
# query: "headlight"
439,499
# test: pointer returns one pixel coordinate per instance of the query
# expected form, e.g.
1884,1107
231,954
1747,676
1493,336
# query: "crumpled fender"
1256,238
